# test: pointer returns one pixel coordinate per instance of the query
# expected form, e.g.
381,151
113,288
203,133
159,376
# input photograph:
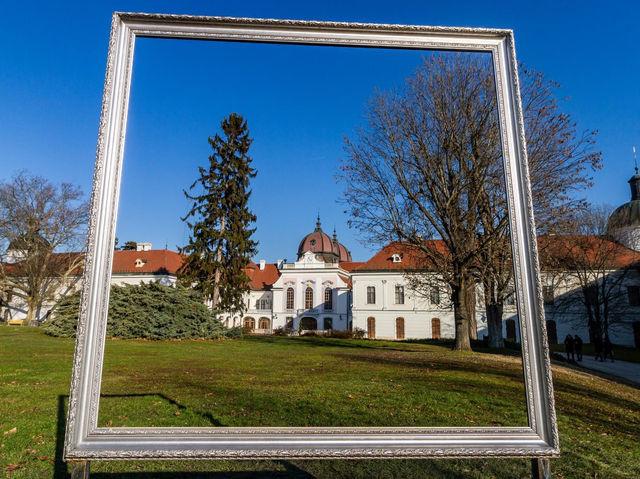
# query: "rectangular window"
328,323
434,295
399,294
371,295
547,294
634,295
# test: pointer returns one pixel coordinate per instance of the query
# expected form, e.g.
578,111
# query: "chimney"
262,264
143,246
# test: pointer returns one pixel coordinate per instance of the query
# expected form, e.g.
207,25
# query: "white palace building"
324,289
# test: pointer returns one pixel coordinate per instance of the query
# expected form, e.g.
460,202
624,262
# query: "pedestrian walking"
608,348
577,341
569,347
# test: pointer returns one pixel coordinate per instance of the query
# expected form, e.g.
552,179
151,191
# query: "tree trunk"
470,300
494,324
460,314
218,273
31,314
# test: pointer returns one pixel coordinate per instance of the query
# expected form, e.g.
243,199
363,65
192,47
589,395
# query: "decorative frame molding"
84,440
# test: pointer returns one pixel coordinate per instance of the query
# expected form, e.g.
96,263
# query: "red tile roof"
349,265
412,259
264,279
156,261
571,251
554,250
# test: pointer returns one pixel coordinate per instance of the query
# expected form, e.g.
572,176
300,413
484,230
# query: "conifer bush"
148,310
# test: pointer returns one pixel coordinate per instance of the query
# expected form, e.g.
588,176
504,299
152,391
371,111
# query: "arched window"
328,299
249,323
371,295
552,332
511,329
399,328
328,323
289,298
399,294
435,328
308,298
264,323
371,328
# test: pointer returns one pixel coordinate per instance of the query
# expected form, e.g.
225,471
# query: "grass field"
303,381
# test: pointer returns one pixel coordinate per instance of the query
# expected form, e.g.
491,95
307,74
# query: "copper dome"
320,243
628,214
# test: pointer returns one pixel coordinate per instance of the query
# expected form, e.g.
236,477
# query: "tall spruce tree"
220,245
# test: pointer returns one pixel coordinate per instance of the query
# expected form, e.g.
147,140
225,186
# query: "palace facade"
324,289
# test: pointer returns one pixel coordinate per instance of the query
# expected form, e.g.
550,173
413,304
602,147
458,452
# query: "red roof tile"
264,279
411,257
575,250
349,265
157,261
554,251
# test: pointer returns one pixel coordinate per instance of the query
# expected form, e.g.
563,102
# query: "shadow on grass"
328,342
212,420
61,469
515,374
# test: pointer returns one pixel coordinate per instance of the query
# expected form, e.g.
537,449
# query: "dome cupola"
326,248
624,222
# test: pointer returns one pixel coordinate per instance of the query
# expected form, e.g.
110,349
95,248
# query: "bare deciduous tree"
428,164
41,225
590,271
417,171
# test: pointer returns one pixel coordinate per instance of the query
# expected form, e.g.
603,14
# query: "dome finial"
318,227
635,159
335,236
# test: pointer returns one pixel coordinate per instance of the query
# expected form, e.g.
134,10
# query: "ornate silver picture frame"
86,441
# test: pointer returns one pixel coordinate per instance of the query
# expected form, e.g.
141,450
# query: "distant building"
324,289
128,267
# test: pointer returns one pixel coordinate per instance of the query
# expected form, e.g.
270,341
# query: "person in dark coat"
597,346
608,348
577,341
569,347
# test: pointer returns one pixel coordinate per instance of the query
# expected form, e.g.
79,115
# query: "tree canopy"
427,165
42,227
146,310
220,245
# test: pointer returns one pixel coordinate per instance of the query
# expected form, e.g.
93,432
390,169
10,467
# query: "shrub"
147,310
246,330
281,332
341,334
359,333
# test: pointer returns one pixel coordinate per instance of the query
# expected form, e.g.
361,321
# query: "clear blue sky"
299,101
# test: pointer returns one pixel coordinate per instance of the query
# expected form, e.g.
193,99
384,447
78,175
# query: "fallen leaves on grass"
10,431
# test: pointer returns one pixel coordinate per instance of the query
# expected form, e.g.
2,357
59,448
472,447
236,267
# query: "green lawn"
276,381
